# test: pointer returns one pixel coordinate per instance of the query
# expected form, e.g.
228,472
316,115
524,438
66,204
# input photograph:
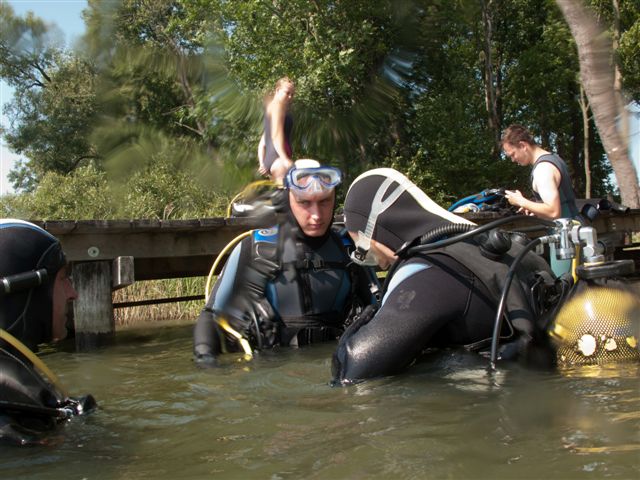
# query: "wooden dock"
110,254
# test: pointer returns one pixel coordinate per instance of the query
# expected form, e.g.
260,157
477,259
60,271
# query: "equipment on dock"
488,200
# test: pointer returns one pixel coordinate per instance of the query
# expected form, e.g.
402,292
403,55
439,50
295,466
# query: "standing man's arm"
546,180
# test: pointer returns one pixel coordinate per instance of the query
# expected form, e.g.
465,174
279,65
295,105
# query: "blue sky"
66,14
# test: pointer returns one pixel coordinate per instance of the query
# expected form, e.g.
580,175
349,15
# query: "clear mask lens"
313,179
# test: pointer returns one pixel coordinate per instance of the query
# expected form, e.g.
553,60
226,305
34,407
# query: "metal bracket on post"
122,272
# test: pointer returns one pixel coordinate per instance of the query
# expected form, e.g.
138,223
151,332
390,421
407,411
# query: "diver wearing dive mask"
306,179
290,285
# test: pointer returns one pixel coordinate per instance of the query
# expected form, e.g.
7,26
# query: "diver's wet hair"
25,247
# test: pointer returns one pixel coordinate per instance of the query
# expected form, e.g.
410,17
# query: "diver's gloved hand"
203,354
205,360
78,405
206,339
353,324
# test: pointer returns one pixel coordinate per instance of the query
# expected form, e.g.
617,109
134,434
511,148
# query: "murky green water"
276,418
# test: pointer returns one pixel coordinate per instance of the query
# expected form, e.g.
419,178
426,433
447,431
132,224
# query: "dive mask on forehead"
362,255
305,182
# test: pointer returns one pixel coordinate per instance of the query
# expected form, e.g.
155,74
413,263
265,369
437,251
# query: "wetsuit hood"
392,208
25,247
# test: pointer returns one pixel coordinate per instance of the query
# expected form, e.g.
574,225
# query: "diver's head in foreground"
33,311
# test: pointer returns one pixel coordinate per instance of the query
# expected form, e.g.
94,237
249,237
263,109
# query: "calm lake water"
160,417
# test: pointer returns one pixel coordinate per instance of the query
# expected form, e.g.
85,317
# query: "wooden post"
93,310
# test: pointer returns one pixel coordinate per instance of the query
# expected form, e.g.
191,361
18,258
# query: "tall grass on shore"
178,312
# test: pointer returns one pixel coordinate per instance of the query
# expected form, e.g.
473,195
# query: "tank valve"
570,234
566,250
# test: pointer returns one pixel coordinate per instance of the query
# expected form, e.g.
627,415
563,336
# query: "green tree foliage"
160,192
162,76
83,194
627,55
54,102
343,57
331,49
155,191
174,88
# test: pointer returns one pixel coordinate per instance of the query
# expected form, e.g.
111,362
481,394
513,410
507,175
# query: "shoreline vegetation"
175,312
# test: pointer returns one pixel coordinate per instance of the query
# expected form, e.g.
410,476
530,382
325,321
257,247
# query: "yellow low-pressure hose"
575,263
33,358
244,343
214,267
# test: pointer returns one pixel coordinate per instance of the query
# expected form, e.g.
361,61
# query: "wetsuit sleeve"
426,306
30,406
206,336
383,343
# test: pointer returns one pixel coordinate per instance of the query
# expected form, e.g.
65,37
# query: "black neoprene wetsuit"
435,301
294,289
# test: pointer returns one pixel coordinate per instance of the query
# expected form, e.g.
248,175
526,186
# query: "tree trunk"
596,73
489,80
584,107
621,103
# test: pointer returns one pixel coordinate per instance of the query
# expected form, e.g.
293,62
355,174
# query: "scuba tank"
598,321
591,316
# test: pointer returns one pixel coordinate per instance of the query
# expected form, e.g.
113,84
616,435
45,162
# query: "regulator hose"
426,241
37,409
497,324
35,360
446,229
430,236
475,231
214,267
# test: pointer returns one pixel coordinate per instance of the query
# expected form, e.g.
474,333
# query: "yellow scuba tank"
600,322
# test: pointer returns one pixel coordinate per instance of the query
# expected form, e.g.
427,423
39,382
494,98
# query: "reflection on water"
276,417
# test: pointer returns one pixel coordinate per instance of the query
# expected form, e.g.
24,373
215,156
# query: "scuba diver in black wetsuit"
452,284
35,291
290,285
447,297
